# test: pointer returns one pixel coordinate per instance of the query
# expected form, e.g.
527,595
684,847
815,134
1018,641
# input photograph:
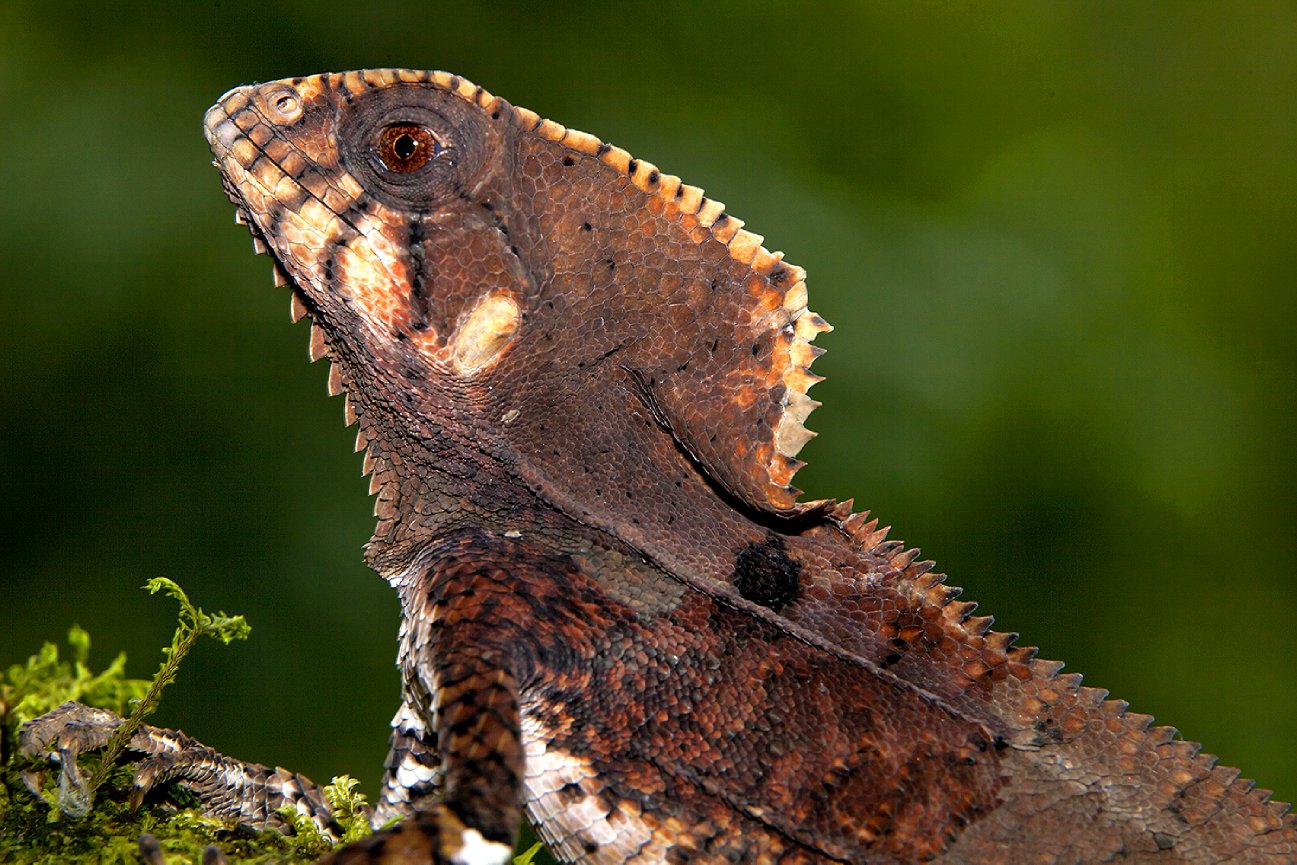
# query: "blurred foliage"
1057,241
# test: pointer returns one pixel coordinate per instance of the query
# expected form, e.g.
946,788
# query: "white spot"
484,333
510,416
513,533
569,822
479,851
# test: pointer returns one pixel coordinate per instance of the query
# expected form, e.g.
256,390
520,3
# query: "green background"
1058,241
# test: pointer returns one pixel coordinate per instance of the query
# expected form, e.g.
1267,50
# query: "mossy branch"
194,624
110,833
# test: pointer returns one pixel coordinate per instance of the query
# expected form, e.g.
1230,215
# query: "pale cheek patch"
373,288
484,333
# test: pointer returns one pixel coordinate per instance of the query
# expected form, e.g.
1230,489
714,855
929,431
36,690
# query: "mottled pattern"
579,385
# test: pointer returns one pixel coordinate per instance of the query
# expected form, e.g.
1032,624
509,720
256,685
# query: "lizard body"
580,386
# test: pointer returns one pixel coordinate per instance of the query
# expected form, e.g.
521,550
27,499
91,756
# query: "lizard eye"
412,147
406,147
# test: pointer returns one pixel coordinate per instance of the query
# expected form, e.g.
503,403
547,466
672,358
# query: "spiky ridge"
983,654
1046,702
795,326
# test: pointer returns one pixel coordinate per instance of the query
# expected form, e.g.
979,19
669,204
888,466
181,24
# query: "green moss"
37,830
97,824
30,690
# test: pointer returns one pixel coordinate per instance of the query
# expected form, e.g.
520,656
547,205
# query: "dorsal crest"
738,397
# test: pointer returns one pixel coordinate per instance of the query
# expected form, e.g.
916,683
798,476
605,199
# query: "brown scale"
580,387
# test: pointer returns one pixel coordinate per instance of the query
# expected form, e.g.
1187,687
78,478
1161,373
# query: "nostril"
281,104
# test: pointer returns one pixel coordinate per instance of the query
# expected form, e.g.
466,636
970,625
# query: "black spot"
1047,726
602,149
569,161
1163,841
653,176
631,166
585,226
765,575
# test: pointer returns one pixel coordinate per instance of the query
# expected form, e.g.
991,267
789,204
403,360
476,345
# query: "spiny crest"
978,653
337,384
1054,704
784,314
764,404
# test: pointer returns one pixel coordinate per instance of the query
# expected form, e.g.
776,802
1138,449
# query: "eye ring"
445,154
403,148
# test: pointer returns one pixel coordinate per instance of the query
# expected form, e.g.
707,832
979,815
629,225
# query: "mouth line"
262,246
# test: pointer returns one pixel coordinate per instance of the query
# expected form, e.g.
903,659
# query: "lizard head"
469,262
348,184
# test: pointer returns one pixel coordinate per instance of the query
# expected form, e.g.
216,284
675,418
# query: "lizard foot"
245,793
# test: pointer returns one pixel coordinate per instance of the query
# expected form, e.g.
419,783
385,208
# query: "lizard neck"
434,465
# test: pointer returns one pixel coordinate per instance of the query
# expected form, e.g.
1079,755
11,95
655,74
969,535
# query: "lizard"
580,388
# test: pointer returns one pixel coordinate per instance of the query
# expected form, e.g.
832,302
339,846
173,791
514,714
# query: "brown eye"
407,147
412,147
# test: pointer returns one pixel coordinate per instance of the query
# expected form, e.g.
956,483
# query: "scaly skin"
580,385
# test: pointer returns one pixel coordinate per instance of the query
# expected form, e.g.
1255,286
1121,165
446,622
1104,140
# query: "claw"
151,851
60,736
34,782
74,795
248,793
